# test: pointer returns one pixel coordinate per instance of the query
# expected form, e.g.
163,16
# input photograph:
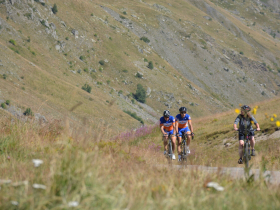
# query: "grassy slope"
120,174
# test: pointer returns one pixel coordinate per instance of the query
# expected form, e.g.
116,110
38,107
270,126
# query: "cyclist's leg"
252,139
188,131
165,140
240,149
180,130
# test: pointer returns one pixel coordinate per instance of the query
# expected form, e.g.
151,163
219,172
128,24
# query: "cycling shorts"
242,135
169,132
181,130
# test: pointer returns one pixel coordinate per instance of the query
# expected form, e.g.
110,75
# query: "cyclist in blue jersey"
167,126
183,124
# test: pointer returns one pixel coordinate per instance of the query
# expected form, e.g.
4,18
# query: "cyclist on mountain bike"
167,125
183,124
245,119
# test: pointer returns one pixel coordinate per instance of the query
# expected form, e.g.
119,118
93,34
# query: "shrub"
145,39
91,14
86,70
138,75
8,102
120,92
124,12
4,76
82,58
108,82
140,94
28,15
150,65
133,101
87,88
101,62
134,115
67,38
54,9
145,60
13,42
242,53
3,105
125,71
28,112
122,17
99,83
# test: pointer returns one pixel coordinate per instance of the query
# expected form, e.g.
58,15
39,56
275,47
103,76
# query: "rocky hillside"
85,59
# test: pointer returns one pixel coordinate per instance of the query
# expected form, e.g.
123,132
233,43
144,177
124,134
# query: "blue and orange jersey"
167,125
183,121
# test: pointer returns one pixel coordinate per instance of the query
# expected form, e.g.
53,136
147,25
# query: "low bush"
101,62
28,112
140,94
3,105
87,88
13,42
54,9
8,102
151,65
138,75
145,39
134,115
82,58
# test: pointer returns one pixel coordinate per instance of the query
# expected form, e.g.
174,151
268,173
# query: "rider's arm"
235,123
256,123
190,125
162,129
174,128
258,126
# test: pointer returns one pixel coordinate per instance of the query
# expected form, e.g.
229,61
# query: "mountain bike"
169,153
184,153
246,148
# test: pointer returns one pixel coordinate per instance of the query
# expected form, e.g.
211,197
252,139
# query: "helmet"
183,109
246,108
166,113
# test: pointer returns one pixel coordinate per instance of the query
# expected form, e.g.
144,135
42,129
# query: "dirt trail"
272,177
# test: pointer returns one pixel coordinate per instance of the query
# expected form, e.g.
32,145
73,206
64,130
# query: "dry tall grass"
93,172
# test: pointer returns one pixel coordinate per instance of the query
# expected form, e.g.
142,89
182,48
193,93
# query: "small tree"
140,94
54,9
87,88
151,65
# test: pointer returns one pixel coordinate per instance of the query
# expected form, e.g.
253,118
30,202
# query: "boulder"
40,118
57,47
75,32
148,92
52,26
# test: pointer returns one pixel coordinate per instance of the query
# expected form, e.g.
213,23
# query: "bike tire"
246,155
170,150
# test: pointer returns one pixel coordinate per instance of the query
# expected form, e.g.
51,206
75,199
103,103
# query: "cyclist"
245,119
183,124
167,125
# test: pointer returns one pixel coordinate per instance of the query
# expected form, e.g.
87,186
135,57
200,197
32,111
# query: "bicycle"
169,153
246,148
184,153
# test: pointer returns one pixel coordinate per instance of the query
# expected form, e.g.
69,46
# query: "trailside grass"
102,172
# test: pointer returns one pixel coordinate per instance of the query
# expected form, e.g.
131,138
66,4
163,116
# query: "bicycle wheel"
184,151
170,150
246,155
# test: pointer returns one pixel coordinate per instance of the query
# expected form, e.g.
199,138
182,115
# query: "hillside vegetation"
85,171
206,55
